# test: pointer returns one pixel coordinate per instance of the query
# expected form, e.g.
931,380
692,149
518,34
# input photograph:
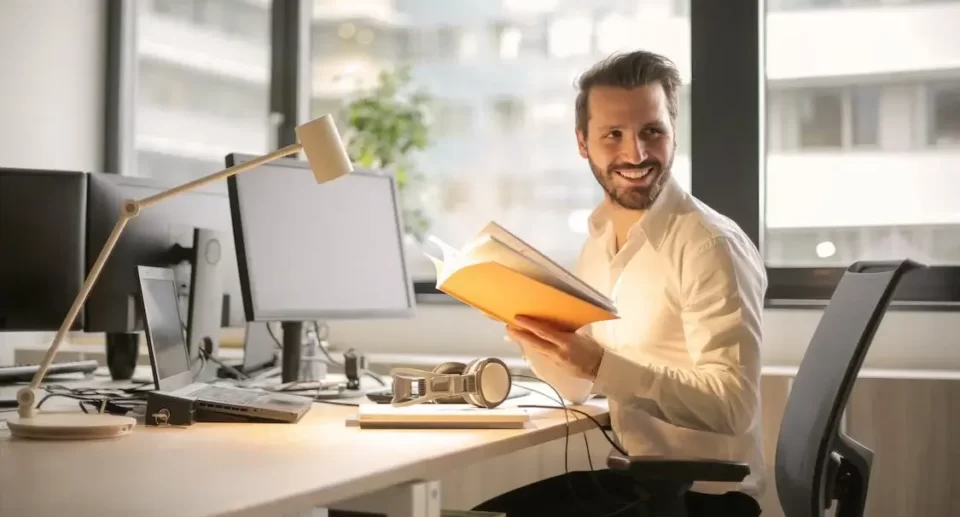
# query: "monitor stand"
206,300
290,358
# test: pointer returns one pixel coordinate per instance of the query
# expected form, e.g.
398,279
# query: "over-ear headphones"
483,382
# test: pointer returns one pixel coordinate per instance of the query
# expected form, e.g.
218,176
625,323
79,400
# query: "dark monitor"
42,228
310,252
181,232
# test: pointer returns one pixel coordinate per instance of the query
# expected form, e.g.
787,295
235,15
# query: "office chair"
815,464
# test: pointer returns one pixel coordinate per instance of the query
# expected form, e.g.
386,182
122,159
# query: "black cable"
586,442
274,336
110,393
566,438
336,402
615,445
563,406
375,377
316,328
236,373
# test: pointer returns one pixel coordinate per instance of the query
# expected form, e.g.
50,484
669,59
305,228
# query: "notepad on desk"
502,276
439,416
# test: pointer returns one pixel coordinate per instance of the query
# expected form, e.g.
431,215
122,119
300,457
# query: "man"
680,367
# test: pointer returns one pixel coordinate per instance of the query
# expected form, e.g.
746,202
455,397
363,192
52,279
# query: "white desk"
216,469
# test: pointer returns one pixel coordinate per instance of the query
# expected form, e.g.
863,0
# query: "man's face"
629,143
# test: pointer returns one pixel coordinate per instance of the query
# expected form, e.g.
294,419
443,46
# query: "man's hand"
579,355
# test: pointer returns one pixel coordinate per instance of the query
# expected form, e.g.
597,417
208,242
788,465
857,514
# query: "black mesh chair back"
816,464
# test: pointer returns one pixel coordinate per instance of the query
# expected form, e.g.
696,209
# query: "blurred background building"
862,109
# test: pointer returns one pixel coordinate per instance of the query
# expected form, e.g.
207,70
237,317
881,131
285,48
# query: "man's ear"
582,144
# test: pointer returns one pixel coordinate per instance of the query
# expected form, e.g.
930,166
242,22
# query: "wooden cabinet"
912,427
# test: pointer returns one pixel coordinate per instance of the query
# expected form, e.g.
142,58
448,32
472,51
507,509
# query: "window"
500,79
865,115
812,118
856,186
945,115
820,118
202,85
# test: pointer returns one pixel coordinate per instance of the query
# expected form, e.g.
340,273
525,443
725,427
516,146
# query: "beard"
632,197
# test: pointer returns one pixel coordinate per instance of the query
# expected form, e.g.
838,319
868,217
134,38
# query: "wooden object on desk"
247,469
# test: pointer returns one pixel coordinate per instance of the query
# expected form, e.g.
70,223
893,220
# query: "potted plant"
385,127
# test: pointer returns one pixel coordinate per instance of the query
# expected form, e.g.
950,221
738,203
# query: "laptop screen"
164,329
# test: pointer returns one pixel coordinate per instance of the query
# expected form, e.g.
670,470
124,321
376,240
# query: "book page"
449,252
453,259
585,290
492,249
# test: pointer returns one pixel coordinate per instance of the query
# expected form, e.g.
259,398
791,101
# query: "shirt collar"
654,224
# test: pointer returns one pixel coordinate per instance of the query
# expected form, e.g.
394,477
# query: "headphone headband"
484,383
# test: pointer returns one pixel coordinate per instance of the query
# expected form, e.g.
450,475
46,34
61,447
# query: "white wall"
52,58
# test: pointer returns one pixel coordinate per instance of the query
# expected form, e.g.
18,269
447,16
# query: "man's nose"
633,150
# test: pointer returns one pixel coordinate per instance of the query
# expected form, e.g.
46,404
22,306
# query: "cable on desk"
209,357
98,404
322,336
565,407
566,452
336,402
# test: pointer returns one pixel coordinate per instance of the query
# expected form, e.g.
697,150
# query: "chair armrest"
658,468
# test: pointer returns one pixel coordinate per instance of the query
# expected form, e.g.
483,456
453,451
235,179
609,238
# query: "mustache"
642,165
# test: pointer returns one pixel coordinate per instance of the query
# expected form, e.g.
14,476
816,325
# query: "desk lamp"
328,160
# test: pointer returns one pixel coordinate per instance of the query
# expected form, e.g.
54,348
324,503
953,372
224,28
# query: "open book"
504,277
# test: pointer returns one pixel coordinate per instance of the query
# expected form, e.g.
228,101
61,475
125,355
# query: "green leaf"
386,124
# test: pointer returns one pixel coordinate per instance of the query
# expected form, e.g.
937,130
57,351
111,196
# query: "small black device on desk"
25,372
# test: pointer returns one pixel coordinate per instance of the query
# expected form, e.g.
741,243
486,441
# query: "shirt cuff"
619,378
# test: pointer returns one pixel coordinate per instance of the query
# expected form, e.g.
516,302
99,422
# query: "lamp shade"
325,152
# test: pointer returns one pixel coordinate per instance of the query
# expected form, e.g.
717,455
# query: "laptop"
170,362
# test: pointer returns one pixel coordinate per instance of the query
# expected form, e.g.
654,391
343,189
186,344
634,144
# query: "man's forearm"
710,398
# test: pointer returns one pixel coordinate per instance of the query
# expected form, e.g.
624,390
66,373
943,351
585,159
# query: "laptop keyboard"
227,395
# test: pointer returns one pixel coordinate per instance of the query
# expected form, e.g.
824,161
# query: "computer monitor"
310,252
42,228
191,231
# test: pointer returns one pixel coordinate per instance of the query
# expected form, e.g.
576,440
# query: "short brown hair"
628,70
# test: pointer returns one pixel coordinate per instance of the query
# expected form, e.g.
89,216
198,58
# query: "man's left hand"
578,354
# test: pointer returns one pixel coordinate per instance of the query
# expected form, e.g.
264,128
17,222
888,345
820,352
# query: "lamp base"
70,426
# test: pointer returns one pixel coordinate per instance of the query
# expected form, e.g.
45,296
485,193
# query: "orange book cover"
504,277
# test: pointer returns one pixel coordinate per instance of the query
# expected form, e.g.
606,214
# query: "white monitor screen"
311,251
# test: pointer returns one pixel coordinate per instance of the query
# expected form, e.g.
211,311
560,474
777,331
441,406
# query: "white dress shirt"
681,368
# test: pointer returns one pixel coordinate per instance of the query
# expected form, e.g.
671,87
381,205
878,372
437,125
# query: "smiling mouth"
635,174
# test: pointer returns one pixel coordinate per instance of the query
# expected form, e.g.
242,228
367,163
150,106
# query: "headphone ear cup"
450,368
493,382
